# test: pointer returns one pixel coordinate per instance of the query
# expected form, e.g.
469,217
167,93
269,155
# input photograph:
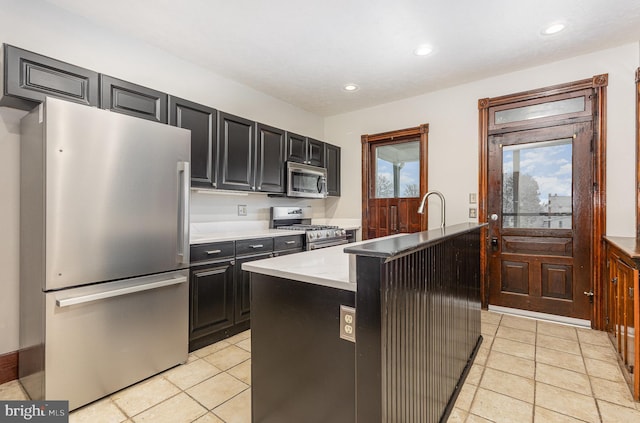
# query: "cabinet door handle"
256,246
290,242
214,252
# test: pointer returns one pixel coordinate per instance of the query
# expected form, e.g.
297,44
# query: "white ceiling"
304,51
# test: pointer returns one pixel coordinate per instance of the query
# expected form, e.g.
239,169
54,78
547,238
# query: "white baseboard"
541,316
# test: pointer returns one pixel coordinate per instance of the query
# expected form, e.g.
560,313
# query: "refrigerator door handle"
184,181
82,299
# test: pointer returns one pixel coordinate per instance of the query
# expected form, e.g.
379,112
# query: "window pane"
398,170
537,111
536,185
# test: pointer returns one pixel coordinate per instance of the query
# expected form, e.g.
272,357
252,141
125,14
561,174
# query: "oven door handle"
316,246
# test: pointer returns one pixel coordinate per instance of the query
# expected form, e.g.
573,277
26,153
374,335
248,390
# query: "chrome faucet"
442,205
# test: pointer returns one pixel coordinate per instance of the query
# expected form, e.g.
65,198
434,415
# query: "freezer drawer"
105,337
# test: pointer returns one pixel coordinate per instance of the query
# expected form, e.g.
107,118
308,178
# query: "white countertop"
325,266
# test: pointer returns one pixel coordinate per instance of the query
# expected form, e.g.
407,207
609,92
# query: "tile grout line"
489,348
593,393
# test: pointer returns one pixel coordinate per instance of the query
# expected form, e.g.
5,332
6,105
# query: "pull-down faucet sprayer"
442,205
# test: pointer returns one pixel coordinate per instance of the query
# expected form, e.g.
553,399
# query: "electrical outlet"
473,212
348,323
242,209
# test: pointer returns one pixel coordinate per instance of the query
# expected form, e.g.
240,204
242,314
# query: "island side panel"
368,340
301,370
418,328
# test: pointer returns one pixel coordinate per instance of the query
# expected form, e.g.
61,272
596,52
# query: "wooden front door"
540,185
394,178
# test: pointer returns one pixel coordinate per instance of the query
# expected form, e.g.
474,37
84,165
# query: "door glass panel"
536,185
398,170
541,110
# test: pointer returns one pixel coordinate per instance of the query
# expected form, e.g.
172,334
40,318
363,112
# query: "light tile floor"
526,371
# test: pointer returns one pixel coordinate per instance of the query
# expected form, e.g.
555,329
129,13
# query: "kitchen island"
416,326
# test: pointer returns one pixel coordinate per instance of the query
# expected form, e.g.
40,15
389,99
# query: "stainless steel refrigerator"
104,251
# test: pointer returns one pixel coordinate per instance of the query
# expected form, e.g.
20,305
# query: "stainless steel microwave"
306,181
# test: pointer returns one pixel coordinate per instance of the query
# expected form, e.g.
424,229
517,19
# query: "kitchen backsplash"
217,207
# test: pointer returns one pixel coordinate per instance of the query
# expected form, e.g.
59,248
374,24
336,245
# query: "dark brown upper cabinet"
305,150
236,144
132,99
270,156
202,121
315,152
30,77
296,148
332,162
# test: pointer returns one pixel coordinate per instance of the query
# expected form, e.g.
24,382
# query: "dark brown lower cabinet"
622,305
243,288
211,293
220,291
211,302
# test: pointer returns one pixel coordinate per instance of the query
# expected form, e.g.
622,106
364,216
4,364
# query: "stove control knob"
311,235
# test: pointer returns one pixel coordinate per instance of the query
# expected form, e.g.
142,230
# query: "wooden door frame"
367,140
638,153
599,84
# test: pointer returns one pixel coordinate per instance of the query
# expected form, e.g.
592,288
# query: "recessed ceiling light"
554,28
350,87
423,50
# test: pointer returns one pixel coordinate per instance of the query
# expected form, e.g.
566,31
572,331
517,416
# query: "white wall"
40,27
452,115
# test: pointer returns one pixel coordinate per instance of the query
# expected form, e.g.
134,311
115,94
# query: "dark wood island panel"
418,323
417,320
301,371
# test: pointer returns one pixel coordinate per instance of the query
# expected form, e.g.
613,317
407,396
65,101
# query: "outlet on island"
348,323
242,209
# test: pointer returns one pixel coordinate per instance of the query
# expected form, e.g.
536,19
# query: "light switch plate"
473,198
242,209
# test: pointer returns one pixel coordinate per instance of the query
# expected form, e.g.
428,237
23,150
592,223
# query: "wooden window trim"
598,83
536,123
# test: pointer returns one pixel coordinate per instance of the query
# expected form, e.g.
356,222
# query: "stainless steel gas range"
299,219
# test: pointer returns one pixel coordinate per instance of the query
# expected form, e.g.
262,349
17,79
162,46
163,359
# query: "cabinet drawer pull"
290,242
214,252
257,246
